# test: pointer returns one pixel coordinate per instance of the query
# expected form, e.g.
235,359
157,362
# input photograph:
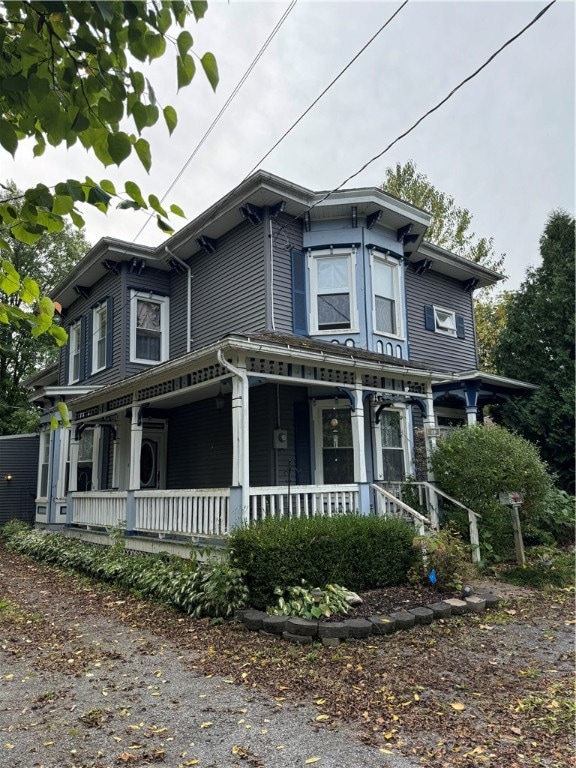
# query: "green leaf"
53,420
155,45
142,148
171,118
185,69
210,68
184,42
133,191
108,187
39,149
177,211
199,8
156,204
110,111
63,408
119,146
77,219
138,81
46,306
163,225
8,137
27,233
62,205
29,292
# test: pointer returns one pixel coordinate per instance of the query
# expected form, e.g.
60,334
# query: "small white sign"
511,499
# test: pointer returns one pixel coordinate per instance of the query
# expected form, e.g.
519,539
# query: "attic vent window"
445,321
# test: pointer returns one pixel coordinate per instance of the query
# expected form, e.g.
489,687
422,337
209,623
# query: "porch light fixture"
219,400
354,216
8,478
373,218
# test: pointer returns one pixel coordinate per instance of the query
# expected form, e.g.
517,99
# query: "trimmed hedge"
359,552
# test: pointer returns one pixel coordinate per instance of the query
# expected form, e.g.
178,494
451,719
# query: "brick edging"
332,633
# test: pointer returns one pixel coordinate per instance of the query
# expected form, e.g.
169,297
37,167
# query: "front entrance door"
334,448
153,457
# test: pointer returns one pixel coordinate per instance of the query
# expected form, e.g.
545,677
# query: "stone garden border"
332,633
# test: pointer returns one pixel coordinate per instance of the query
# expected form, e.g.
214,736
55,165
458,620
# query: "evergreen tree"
537,345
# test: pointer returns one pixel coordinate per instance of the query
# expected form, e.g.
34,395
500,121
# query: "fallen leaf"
323,717
206,725
458,706
312,760
386,751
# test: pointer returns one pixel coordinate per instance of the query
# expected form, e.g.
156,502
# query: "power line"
229,100
325,91
437,106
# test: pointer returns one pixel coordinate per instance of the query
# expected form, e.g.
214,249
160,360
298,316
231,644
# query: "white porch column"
240,441
430,442
471,415
358,437
74,449
135,449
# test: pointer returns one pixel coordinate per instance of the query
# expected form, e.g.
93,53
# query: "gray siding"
108,286
19,458
228,288
445,353
287,234
200,446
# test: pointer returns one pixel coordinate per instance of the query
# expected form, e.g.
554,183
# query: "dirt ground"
91,677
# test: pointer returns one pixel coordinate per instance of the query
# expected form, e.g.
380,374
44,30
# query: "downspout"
186,266
241,441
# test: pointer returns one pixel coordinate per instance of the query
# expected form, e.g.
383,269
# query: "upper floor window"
148,328
100,322
74,347
444,321
387,297
332,288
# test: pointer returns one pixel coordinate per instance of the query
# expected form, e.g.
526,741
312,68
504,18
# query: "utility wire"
229,100
325,91
440,103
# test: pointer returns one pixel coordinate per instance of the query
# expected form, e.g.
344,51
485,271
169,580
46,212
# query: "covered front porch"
246,429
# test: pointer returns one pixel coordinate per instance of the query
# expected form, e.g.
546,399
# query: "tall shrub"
475,464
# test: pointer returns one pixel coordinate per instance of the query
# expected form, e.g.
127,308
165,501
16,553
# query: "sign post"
514,501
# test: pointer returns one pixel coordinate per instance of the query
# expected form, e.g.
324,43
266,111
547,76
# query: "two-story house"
278,355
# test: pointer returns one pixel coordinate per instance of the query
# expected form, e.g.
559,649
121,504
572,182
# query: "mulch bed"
376,602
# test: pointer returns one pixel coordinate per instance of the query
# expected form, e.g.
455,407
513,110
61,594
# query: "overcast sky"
503,146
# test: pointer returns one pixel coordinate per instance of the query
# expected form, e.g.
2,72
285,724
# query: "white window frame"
397,277
92,459
97,313
44,460
74,350
443,326
405,448
164,303
314,259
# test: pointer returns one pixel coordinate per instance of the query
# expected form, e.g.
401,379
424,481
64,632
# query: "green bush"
361,552
216,590
474,465
447,555
309,603
545,567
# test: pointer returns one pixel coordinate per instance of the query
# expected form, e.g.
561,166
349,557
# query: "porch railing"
390,505
301,501
99,509
431,493
204,511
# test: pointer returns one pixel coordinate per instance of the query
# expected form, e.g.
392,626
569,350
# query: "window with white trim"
444,321
44,463
100,322
74,350
391,445
332,288
386,276
148,328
